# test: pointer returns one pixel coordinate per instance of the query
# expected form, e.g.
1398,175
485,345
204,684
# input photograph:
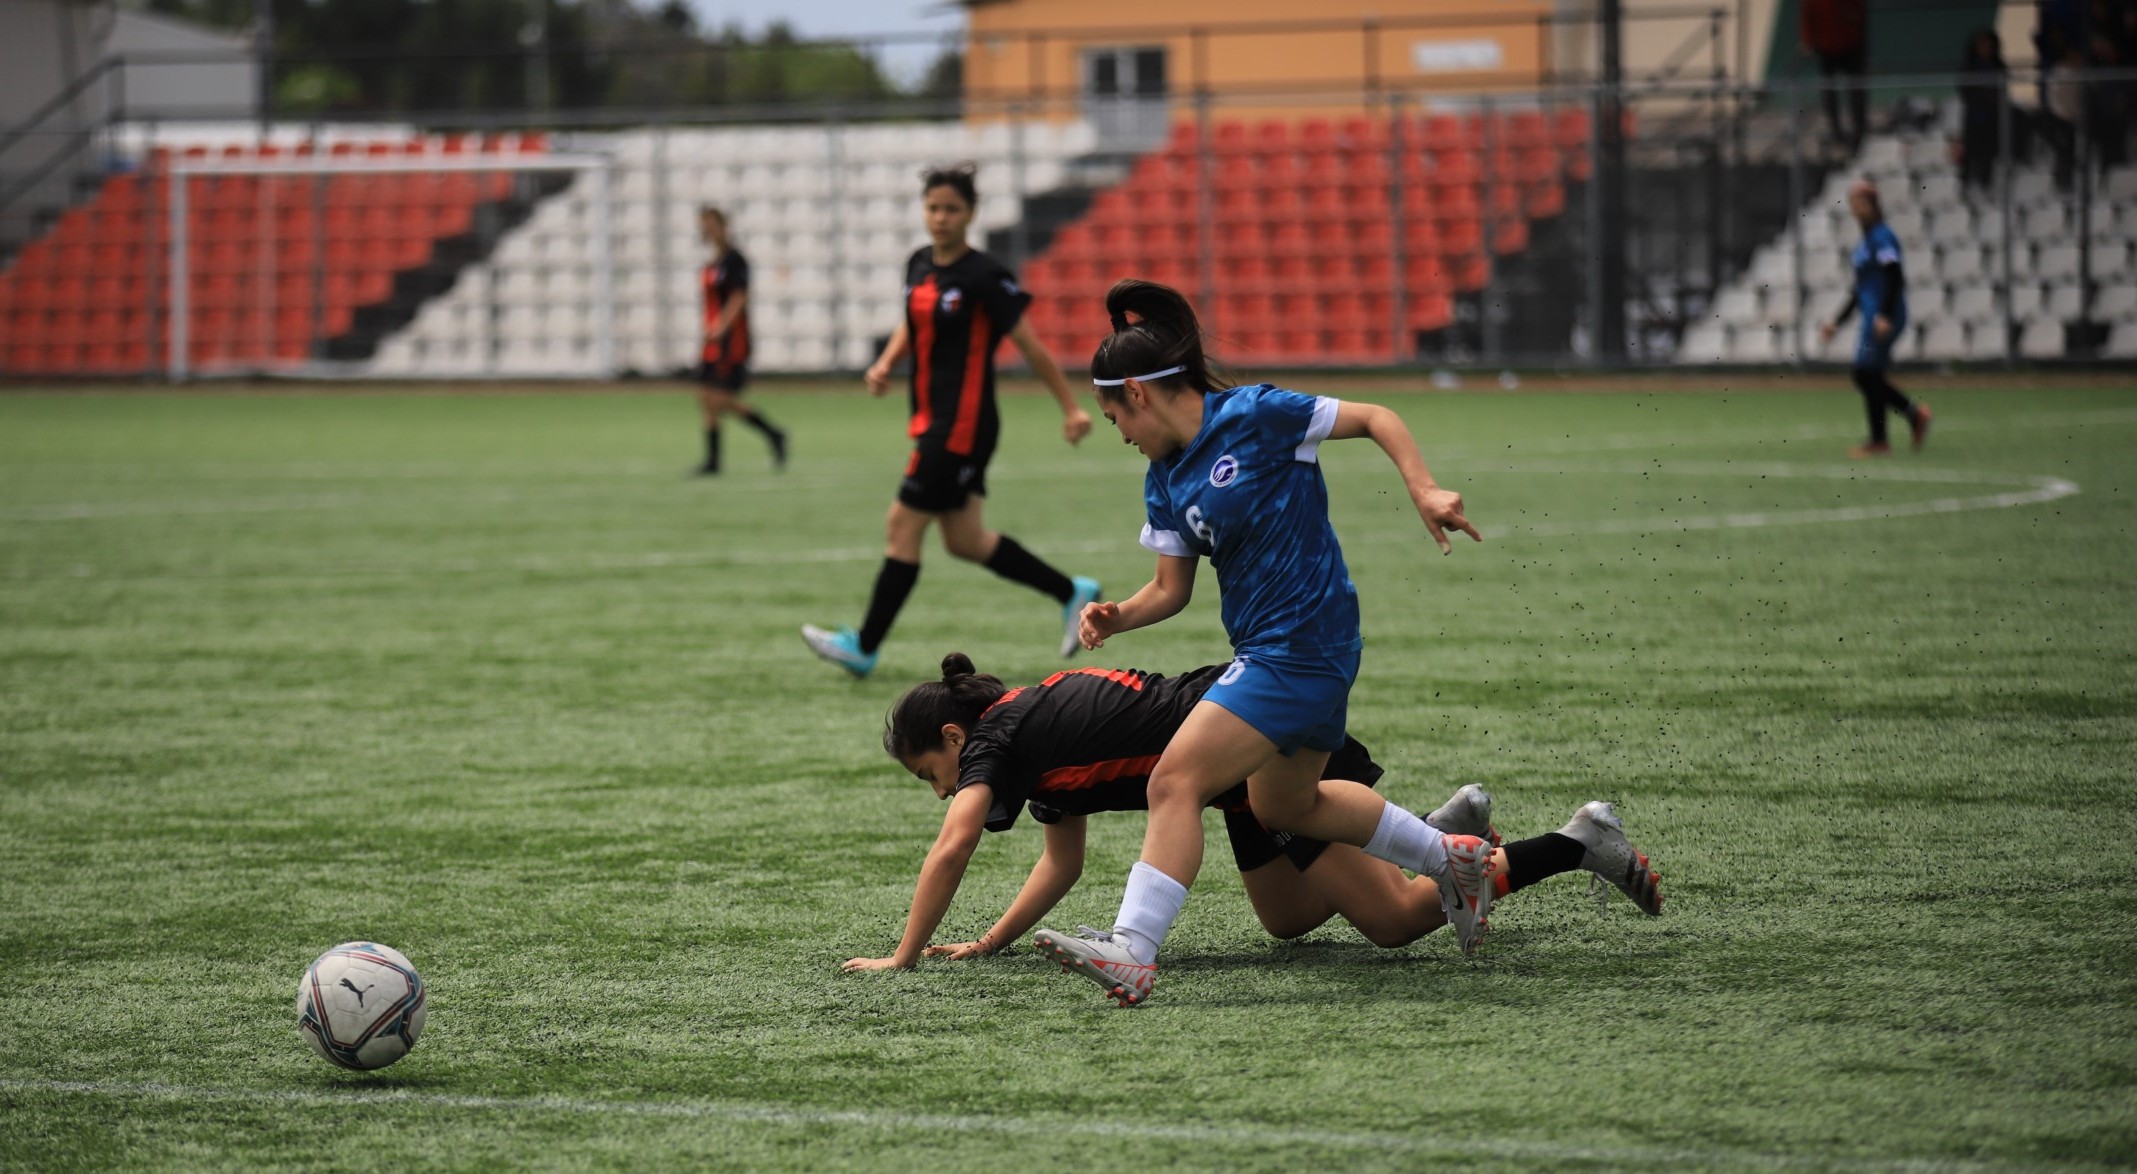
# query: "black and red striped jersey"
1086,740
727,275
1080,741
955,316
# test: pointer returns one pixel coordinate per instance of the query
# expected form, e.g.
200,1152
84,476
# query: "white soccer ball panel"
361,1005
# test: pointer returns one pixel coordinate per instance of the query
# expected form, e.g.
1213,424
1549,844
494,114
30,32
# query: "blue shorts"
1871,353
1293,702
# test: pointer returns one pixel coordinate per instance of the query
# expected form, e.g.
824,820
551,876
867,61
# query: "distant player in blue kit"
1235,477
1881,294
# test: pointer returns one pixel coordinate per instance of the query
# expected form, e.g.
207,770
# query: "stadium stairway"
826,216
280,269
1954,243
1305,256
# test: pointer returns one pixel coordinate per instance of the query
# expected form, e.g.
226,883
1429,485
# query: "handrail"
1701,37
29,182
59,101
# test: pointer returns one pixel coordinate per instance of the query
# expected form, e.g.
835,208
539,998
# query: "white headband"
1138,378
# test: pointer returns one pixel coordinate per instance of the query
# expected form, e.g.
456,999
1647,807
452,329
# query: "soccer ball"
361,1005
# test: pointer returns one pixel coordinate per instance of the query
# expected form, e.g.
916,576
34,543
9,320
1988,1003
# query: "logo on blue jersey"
951,299
1224,472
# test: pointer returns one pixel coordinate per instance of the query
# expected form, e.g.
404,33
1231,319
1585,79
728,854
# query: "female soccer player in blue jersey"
960,304
1881,294
1234,477
1083,742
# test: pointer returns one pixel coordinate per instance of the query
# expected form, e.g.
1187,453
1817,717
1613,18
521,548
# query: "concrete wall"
216,89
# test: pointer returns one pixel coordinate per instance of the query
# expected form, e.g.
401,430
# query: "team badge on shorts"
1224,472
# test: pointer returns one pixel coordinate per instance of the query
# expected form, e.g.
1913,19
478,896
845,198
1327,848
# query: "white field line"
1008,473
739,1113
2027,490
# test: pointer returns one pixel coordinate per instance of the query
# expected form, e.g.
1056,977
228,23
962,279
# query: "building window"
1124,95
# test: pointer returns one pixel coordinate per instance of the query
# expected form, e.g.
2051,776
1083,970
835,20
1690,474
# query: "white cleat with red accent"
1466,813
1611,857
1096,956
1466,888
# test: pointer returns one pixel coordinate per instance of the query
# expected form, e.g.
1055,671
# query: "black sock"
893,583
1529,861
1872,386
1018,565
712,450
762,425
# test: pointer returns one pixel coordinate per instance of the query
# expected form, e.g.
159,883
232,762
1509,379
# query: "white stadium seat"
1945,339
1974,303
2042,340
2115,303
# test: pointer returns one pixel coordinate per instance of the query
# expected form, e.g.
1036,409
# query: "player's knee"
968,547
1173,788
1285,926
1284,810
1387,933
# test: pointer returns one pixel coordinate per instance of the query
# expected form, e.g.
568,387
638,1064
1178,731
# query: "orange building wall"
1019,49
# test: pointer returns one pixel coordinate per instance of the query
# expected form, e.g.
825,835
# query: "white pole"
604,272
180,309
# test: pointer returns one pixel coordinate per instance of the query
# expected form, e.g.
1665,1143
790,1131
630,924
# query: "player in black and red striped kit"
1085,741
959,306
723,361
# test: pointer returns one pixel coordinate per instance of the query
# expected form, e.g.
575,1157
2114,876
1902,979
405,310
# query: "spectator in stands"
2062,106
1984,91
1837,33
723,363
1881,294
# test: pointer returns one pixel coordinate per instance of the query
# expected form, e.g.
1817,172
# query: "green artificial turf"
486,678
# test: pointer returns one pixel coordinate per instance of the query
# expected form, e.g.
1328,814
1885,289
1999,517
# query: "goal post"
306,264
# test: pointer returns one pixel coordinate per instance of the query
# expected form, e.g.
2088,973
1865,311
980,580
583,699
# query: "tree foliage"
372,57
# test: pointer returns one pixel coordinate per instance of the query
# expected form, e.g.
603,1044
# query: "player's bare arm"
878,374
1059,867
940,875
1440,508
1170,590
1075,422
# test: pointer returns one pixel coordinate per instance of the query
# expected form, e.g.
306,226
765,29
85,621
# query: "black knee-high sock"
1018,565
762,425
1547,855
712,450
1873,402
893,583
1878,397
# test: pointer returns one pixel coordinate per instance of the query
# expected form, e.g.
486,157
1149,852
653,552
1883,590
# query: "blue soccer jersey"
1879,247
1247,494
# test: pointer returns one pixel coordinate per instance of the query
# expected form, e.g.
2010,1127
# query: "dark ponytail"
914,724
1164,334
956,176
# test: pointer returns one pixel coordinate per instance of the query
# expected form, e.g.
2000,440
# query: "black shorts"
728,377
1254,845
938,481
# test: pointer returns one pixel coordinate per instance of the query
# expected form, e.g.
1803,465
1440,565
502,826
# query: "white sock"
1147,911
1406,841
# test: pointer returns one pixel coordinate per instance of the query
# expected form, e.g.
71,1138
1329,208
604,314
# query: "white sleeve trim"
1166,542
1318,429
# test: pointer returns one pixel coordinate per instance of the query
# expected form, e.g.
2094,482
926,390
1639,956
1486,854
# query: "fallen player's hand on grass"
859,965
960,951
